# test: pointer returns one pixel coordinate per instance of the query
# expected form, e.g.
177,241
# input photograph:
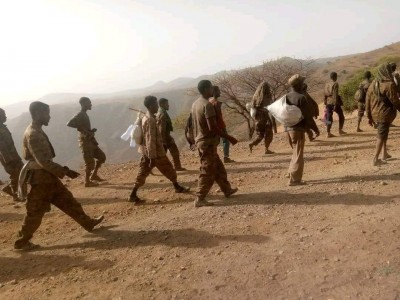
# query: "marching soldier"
43,175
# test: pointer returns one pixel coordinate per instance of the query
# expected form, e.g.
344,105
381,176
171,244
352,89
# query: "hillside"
336,238
111,116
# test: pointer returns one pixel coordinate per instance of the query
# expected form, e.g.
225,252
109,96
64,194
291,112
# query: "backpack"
189,131
360,95
288,115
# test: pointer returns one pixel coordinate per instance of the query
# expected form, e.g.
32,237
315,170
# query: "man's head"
297,82
151,104
216,92
333,76
40,112
205,88
3,117
85,103
163,103
367,75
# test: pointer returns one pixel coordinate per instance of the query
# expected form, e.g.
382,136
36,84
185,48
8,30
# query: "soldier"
207,134
333,103
9,158
165,127
264,124
93,156
153,153
297,132
314,110
220,123
381,104
42,174
362,94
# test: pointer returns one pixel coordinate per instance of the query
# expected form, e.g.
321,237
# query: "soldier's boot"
88,181
23,243
202,202
93,223
328,129
134,197
267,151
231,192
180,189
359,124
8,190
95,176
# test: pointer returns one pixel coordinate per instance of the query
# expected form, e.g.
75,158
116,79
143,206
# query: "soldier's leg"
173,149
221,176
329,119
207,171
339,111
361,112
13,169
65,201
269,136
100,157
88,157
260,131
164,165
144,172
38,202
296,166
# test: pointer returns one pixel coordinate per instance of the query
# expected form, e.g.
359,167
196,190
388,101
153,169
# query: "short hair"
83,99
333,75
2,110
149,100
367,75
203,85
162,101
37,106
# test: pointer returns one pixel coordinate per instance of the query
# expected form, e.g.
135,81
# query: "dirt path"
336,238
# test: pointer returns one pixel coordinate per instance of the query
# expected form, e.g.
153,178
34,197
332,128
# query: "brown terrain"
336,238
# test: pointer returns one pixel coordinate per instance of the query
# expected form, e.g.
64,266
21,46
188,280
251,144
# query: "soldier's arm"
150,134
76,123
5,147
212,125
368,109
162,127
335,92
393,96
38,147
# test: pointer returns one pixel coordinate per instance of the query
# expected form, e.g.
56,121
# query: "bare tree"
237,87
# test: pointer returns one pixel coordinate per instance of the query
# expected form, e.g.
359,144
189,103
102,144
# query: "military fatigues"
313,108
361,104
264,128
212,169
382,111
46,187
87,142
297,135
10,159
152,148
164,124
333,104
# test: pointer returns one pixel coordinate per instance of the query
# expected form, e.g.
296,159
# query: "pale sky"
99,46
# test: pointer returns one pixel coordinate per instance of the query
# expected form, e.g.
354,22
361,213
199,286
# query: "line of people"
380,100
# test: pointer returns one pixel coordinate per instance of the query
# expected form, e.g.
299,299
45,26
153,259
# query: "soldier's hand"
71,174
94,130
193,147
371,123
232,140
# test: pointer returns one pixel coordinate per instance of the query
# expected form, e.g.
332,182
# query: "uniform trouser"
225,144
361,109
329,115
211,170
296,166
264,129
13,169
38,203
163,164
92,152
174,151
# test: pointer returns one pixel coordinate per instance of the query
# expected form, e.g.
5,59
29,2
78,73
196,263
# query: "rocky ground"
336,238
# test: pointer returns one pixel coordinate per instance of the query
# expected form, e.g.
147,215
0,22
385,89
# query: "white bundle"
288,115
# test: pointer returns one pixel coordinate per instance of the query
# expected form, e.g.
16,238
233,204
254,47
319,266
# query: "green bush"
348,89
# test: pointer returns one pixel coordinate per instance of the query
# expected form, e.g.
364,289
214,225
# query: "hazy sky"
112,45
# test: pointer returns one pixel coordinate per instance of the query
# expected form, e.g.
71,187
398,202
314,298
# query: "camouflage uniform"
264,128
333,104
10,160
212,169
164,124
46,187
87,142
153,149
361,104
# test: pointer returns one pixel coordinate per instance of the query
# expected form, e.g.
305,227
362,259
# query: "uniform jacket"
152,142
164,125
332,93
8,153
